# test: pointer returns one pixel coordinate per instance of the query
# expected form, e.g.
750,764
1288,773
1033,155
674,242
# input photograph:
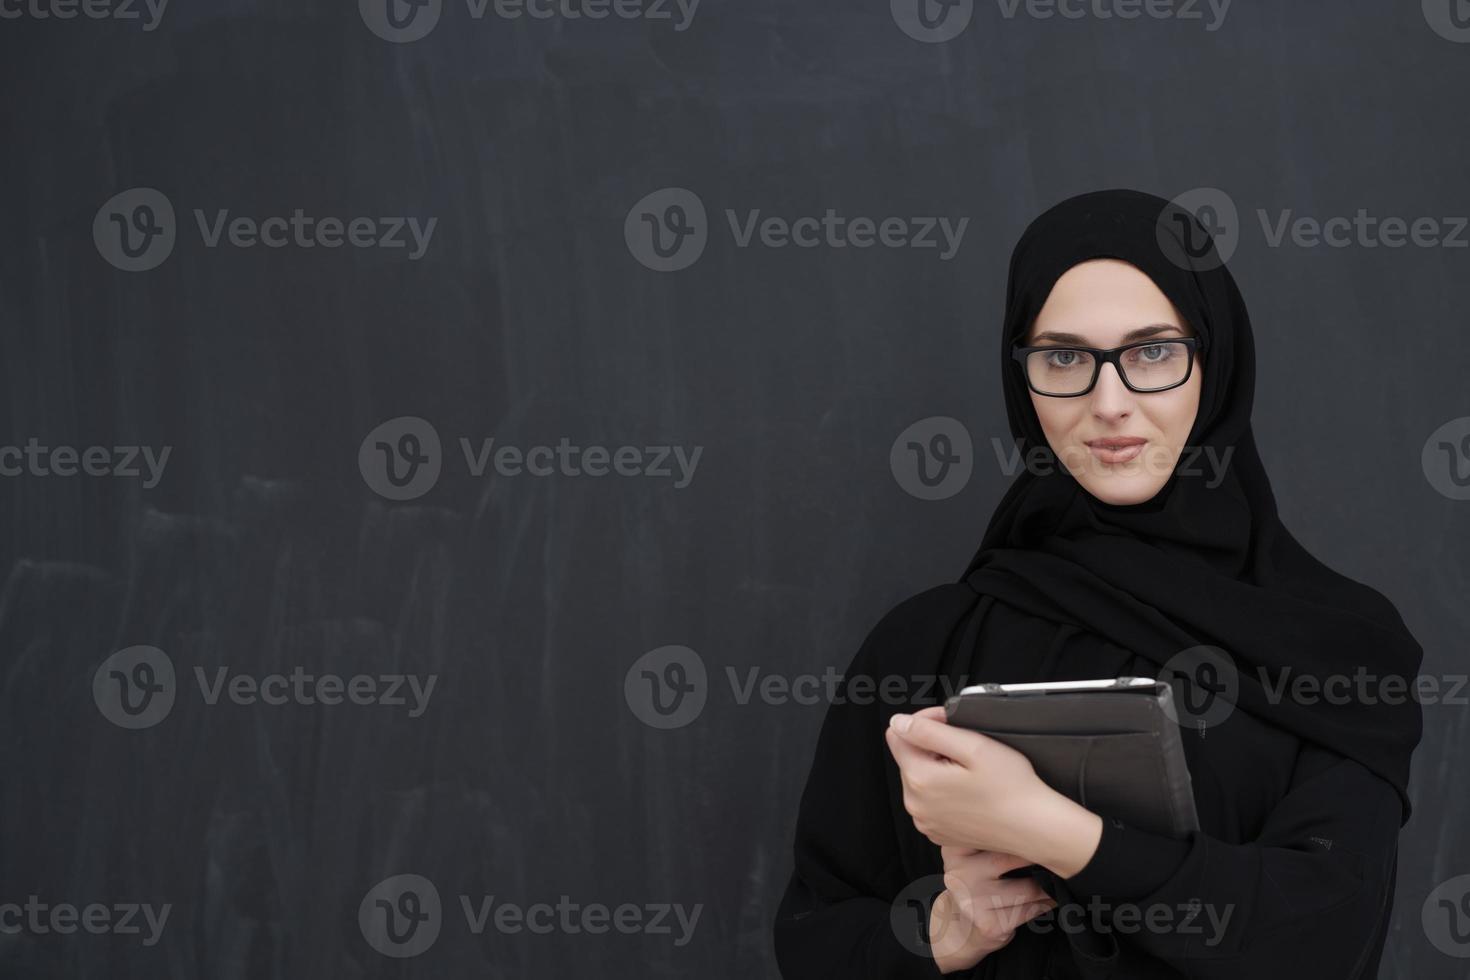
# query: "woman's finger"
994,895
935,736
1022,914
905,753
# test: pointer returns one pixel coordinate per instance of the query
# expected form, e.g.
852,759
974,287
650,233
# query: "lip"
1116,449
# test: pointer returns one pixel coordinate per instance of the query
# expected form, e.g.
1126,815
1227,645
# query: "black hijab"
1206,562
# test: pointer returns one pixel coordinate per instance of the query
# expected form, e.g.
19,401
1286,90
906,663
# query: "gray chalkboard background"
270,540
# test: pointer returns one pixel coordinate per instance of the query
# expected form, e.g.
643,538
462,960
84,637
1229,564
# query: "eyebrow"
1141,333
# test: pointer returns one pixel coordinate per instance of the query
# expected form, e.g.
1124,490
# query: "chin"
1121,484
1123,491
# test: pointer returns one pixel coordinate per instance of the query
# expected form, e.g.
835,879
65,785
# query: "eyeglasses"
1147,366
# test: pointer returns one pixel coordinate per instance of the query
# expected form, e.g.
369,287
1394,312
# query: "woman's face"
1120,445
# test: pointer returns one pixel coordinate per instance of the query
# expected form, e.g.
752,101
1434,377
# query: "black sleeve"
834,919
1307,898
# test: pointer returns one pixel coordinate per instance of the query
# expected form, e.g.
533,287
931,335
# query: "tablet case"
1115,750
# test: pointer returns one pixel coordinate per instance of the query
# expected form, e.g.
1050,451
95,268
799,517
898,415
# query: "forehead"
1101,300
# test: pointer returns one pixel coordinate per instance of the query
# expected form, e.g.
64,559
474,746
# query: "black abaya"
1300,800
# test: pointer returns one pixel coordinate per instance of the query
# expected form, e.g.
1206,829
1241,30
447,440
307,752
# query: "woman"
1142,534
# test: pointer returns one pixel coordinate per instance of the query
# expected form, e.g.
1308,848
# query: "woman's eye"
1154,353
1062,358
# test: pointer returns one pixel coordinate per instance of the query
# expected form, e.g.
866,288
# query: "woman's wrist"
1055,832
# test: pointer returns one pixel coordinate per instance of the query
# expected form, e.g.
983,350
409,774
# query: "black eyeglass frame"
1108,356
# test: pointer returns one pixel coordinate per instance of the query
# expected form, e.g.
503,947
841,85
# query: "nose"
1111,399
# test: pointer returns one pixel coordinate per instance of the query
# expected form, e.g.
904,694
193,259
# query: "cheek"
1058,416
1175,416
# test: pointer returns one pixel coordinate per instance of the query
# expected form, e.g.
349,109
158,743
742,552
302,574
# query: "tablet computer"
1110,744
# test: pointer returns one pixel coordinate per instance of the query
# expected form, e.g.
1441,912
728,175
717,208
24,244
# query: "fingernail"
901,722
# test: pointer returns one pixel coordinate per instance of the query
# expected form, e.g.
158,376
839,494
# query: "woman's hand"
978,912
962,788
967,790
